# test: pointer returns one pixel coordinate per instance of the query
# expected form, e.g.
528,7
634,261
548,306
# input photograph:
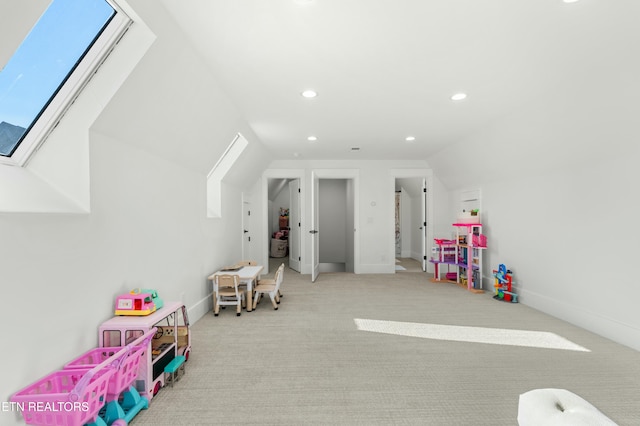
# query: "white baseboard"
377,268
200,308
363,269
609,328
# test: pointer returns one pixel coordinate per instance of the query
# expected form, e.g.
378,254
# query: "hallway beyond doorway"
407,264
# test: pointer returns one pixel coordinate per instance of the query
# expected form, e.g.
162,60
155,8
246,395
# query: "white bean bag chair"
558,407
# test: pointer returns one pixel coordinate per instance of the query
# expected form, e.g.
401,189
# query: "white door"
247,227
294,225
315,245
423,232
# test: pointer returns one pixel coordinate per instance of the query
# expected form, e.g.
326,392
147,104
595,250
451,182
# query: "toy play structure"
461,257
95,389
123,401
502,285
172,338
66,397
109,385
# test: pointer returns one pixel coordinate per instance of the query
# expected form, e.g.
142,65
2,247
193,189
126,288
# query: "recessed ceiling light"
458,96
410,138
570,1
309,93
304,1
312,138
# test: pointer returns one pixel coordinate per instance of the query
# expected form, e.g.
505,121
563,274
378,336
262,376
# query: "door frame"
314,220
295,234
247,223
427,175
281,174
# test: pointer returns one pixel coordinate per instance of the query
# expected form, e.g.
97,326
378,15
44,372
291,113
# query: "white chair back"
279,277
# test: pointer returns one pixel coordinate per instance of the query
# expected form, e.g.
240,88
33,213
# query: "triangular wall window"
222,167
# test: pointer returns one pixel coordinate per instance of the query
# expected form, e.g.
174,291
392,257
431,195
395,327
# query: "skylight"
48,70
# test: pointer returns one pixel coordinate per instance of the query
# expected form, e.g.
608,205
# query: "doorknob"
313,231
245,231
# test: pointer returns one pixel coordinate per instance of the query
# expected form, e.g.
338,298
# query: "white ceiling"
21,18
385,69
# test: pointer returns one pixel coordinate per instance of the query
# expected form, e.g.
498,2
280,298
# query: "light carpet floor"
408,264
308,363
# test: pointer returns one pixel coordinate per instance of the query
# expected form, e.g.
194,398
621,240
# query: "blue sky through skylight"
47,56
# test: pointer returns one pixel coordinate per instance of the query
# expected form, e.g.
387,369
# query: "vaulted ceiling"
385,70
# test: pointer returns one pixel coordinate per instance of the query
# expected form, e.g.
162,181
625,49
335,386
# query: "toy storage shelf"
464,254
460,264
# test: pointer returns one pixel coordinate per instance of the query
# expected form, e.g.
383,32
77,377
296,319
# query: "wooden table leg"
247,299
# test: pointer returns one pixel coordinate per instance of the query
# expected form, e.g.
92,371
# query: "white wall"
375,219
567,237
559,200
13,31
149,153
442,214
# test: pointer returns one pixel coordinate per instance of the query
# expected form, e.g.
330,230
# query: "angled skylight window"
49,69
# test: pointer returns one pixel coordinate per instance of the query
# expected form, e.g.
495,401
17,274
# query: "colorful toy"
172,338
134,303
123,401
502,285
76,396
154,296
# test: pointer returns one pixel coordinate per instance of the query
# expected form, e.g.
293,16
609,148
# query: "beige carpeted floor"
308,364
409,264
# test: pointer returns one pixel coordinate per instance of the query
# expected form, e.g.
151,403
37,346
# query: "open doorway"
284,222
276,183
334,225
410,224
412,232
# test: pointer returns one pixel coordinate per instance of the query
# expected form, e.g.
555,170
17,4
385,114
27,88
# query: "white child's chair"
270,287
228,293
